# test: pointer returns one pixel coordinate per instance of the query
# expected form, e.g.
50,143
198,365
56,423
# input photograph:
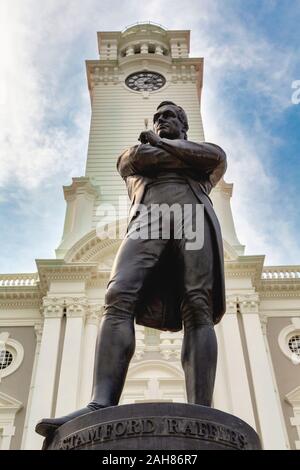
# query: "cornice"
245,266
248,303
94,314
81,185
280,281
102,71
280,292
59,270
20,297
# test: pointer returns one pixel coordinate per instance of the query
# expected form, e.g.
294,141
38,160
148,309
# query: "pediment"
293,397
7,402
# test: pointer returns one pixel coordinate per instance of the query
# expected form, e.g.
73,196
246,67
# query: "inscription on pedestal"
158,426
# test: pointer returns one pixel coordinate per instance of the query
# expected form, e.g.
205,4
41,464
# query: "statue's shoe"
47,426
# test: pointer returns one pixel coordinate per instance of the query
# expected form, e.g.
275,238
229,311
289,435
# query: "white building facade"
49,319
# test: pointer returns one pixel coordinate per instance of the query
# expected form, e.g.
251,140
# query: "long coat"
203,165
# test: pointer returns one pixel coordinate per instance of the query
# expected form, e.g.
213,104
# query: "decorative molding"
245,266
100,280
279,291
94,314
184,72
182,69
248,303
53,307
10,304
102,71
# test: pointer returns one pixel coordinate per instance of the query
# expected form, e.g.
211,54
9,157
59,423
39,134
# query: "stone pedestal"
154,426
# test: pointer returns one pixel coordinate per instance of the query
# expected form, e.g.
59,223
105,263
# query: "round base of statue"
154,426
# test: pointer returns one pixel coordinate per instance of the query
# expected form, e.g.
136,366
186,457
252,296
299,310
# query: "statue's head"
170,121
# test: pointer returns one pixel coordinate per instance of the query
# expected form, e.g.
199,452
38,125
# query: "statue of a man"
157,280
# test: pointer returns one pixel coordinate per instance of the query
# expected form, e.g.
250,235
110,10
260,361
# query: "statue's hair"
180,113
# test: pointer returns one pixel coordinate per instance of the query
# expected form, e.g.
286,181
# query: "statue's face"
167,124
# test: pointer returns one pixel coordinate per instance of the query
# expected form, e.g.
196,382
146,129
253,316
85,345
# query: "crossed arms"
204,159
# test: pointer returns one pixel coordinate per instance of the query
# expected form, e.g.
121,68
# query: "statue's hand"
149,137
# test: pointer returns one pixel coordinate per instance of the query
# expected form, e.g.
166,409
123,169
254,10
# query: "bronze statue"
157,281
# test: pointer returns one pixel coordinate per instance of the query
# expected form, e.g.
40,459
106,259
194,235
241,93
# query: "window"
6,358
289,341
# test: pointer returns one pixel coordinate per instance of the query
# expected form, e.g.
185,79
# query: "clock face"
145,81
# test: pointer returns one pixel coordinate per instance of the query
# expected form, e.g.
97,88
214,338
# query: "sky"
249,108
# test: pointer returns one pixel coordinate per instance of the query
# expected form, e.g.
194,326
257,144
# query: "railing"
140,23
281,272
17,280
30,279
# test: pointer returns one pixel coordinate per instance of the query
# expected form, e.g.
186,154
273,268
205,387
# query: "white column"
159,50
68,389
38,328
270,418
144,48
42,396
129,51
88,357
222,399
231,358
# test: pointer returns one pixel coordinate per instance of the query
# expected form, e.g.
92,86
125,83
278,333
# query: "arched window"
11,355
289,342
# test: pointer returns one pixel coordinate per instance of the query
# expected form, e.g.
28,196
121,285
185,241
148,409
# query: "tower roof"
143,31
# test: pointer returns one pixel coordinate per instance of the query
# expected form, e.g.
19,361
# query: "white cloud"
44,113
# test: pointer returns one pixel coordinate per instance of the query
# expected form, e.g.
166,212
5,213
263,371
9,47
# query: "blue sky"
251,52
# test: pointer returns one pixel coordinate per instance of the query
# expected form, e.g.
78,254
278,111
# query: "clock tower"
139,68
